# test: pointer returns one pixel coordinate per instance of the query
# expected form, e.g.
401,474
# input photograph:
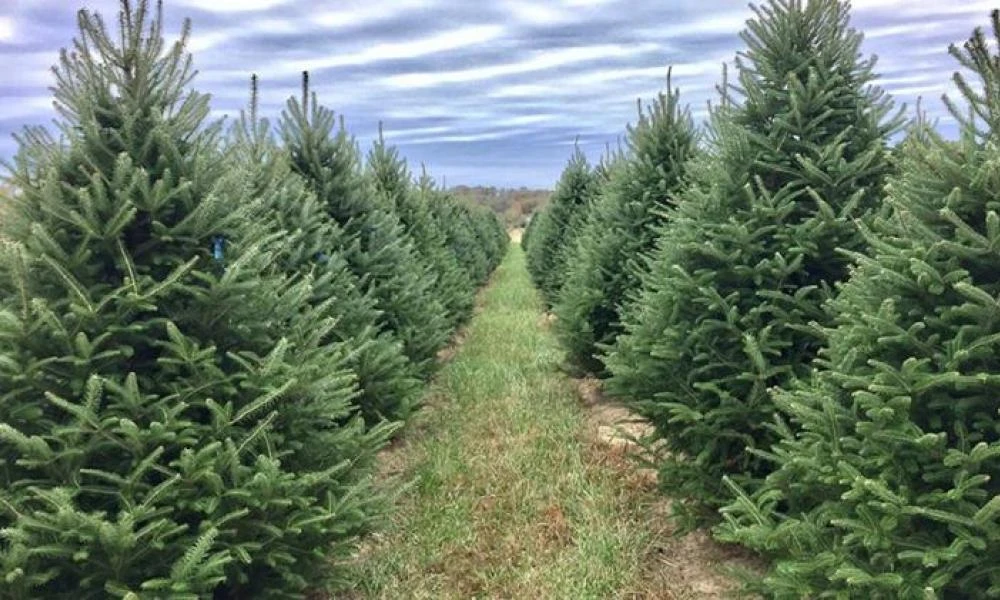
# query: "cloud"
7,30
233,6
441,42
538,61
492,93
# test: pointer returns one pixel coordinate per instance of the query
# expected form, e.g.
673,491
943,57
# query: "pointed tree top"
305,92
725,99
128,68
253,98
984,104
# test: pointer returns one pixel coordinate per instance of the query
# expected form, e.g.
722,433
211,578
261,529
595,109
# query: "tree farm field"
748,351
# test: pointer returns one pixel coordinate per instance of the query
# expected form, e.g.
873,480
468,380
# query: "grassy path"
508,496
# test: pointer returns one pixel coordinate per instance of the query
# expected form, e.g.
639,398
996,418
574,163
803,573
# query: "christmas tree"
557,226
886,478
315,246
473,234
380,251
604,268
390,176
490,232
611,161
173,421
753,247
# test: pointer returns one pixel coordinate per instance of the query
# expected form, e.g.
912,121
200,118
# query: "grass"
505,496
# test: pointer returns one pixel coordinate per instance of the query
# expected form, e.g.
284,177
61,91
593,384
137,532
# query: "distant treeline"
514,206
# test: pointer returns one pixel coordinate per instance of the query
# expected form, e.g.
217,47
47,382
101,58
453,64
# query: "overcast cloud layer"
483,92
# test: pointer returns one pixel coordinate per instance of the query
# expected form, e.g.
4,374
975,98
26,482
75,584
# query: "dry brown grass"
686,566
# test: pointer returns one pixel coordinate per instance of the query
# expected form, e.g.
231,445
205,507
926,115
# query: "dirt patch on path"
688,566
447,353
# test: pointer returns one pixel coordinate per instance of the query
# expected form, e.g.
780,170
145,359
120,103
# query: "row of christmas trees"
207,332
809,316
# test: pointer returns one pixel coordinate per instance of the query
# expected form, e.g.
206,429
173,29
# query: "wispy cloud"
481,92
538,61
234,6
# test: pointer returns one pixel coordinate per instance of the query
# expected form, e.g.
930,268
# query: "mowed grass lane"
505,496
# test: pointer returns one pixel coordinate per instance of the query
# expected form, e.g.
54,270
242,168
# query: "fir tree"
173,423
751,251
491,234
480,240
888,475
315,246
391,177
604,268
529,231
459,222
381,253
558,225
611,161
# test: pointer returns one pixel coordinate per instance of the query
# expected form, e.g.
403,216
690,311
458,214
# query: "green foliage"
491,233
175,421
314,247
555,228
604,267
529,231
378,249
391,178
474,234
751,250
887,476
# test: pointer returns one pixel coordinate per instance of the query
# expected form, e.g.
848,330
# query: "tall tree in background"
604,267
173,422
464,225
887,484
380,251
752,250
558,226
390,177
316,246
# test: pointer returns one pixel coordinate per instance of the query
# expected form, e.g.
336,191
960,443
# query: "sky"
481,92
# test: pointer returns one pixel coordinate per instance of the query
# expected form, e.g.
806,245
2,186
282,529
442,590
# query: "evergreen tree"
491,234
604,268
383,256
611,161
558,225
888,474
315,246
529,230
390,176
751,251
173,423
458,221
